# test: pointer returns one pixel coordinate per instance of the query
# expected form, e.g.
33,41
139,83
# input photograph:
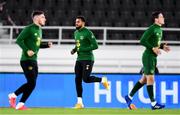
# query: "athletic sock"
137,86
150,92
12,95
20,104
103,79
79,100
153,103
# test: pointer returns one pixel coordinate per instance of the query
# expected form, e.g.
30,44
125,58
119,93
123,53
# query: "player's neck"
158,24
79,29
36,23
82,27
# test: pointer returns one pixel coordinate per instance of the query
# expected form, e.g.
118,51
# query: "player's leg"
150,82
87,69
31,73
12,96
78,82
150,87
149,70
136,87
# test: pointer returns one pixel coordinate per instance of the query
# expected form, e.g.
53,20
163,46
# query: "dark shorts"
149,63
83,68
30,69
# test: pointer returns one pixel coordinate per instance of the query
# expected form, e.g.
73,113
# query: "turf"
88,111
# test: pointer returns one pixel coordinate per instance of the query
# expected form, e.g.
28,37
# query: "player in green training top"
151,40
29,41
85,44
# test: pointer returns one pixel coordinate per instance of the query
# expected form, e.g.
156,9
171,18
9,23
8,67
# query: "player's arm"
93,43
145,37
74,50
144,41
20,39
45,44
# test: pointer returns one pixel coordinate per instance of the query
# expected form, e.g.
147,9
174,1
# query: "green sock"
137,86
150,92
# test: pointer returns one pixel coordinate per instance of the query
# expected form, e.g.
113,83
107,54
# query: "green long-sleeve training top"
151,38
85,44
30,39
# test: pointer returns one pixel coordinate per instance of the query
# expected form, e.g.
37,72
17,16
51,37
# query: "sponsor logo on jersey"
78,43
81,37
38,42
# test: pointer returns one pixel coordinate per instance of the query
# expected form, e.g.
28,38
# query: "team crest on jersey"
81,37
92,36
158,34
30,68
35,34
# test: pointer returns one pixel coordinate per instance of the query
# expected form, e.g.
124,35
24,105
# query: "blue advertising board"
58,90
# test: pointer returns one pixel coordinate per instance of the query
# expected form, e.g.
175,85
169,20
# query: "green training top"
85,44
30,39
151,38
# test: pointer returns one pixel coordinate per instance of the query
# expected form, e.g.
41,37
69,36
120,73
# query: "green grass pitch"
88,111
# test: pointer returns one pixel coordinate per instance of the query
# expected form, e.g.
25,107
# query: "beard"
78,27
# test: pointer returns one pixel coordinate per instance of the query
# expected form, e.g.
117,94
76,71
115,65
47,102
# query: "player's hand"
30,53
50,44
156,50
73,51
166,48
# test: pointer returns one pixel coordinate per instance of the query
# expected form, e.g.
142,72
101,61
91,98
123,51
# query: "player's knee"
78,79
32,84
150,79
143,80
86,80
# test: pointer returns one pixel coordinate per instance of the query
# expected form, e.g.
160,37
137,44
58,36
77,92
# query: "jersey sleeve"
162,45
145,39
44,45
93,43
21,38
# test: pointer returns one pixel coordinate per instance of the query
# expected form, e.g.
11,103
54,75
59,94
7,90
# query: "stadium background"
117,24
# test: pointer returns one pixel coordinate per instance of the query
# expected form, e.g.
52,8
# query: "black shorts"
30,69
83,68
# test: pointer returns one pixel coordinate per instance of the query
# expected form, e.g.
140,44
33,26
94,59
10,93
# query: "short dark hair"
36,12
82,18
155,15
